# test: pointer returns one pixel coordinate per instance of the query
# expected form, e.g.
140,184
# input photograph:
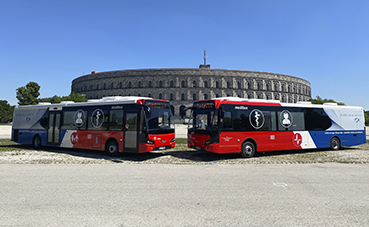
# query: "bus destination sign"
204,105
157,104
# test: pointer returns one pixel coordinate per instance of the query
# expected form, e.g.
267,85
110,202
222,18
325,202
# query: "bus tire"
36,142
112,148
248,149
335,143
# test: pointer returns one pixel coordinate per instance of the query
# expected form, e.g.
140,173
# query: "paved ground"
184,195
5,131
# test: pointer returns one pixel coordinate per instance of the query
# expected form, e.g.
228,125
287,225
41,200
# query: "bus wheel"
111,148
36,142
335,143
248,149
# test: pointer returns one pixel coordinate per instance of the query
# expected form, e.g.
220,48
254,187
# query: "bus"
236,125
111,124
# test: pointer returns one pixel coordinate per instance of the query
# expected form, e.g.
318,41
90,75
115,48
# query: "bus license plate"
161,148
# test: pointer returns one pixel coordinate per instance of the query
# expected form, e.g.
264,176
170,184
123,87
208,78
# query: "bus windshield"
203,116
160,120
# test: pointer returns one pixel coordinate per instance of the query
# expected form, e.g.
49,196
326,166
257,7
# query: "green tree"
319,100
366,114
76,97
27,95
6,111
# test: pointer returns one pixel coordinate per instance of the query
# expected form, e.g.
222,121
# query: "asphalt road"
184,195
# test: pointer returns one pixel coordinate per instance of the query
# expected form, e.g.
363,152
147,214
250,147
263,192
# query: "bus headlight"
173,140
207,142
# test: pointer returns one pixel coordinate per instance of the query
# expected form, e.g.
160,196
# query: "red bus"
236,125
112,124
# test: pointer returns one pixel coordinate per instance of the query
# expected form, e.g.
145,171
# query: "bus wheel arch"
335,143
36,141
248,148
112,147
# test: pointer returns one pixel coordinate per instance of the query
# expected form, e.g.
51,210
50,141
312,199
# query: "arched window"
150,83
183,97
139,84
183,83
160,83
228,85
205,96
171,83
129,84
217,84
238,85
149,95
171,97
193,96
160,96
194,83
205,84
260,86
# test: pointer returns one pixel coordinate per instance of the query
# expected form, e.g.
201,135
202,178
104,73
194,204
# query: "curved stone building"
182,86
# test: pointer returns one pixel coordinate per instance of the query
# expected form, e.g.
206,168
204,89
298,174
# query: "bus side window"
227,120
116,120
45,120
270,123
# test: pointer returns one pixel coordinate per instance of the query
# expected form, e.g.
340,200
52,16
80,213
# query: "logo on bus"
256,119
297,140
97,118
74,138
79,118
286,118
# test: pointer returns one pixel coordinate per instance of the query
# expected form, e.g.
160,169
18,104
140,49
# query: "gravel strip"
180,155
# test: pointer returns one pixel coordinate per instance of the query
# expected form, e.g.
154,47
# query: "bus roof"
259,102
93,102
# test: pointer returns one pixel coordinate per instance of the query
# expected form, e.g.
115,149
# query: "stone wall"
182,86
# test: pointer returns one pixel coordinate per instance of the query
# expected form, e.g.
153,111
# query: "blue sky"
53,42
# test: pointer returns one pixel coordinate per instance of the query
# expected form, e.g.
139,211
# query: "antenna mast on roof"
204,57
204,66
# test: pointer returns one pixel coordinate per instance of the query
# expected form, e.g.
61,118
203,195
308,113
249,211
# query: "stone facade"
182,86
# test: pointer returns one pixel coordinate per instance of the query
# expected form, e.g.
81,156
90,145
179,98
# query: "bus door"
131,125
227,137
53,131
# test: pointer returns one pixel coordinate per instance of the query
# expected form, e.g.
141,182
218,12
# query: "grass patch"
8,145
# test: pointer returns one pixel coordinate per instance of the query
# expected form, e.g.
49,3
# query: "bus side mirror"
222,114
183,112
